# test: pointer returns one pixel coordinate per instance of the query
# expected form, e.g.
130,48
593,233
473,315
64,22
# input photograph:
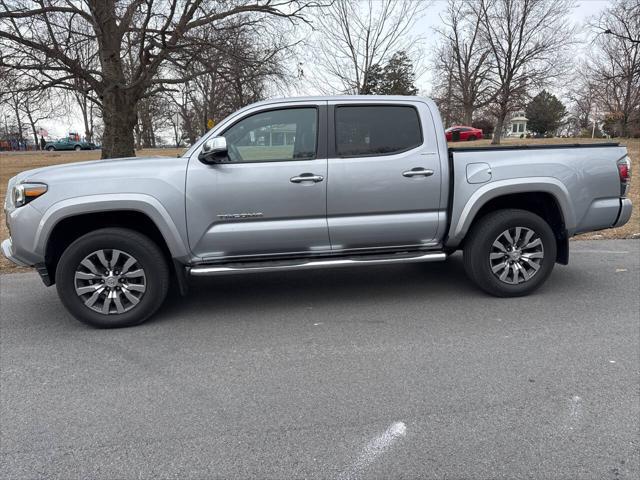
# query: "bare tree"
82,97
182,105
38,105
464,58
245,69
134,41
30,104
14,102
354,36
174,121
526,39
442,91
582,96
614,65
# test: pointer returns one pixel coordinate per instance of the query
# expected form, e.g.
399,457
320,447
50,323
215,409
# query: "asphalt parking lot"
374,372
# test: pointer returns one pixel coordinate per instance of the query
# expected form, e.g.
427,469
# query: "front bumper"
7,251
625,212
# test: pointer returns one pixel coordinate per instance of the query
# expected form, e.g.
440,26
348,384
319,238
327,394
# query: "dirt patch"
13,163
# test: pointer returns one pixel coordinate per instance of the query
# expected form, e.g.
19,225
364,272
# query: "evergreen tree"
395,78
545,113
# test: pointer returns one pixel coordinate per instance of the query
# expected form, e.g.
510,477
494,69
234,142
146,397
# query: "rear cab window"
366,130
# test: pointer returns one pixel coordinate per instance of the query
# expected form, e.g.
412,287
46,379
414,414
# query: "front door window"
276,135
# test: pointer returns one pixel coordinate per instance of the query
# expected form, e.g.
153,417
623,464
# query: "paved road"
394,372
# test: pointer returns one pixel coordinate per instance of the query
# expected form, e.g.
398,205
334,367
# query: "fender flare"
142,203
461,223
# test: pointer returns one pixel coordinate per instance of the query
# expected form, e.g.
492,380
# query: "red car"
458,133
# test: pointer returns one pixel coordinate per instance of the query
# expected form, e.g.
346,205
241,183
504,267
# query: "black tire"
148,257
479,245
471,138
50,149
77,148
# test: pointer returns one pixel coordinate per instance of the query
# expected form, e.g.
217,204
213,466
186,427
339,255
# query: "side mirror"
214,150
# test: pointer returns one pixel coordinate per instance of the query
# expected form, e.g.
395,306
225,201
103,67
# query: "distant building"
275,135
518,125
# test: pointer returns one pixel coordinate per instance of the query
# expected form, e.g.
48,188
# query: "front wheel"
112,277
50,149
77,148
510,253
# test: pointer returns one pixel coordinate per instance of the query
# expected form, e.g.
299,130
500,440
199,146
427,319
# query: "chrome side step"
247,267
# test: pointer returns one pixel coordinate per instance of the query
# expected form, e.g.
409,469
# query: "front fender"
143,203
462,217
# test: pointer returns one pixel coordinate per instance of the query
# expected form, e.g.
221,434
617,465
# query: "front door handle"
306,177
417,171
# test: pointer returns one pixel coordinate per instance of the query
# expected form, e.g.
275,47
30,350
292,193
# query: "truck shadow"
295,290
292,293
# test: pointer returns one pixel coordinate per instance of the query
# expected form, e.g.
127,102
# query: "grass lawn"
12,163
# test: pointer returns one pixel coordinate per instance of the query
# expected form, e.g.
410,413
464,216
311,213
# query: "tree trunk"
497,133
16,110
468,114
88,130
119,111
176,135
138,136
625,124
36,142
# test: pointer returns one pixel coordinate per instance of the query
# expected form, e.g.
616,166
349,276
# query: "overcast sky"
423,28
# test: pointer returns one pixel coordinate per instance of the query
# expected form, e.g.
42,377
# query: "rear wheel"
112,277
77,148
50,149
509,253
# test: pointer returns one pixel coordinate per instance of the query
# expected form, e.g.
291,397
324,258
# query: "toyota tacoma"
303,183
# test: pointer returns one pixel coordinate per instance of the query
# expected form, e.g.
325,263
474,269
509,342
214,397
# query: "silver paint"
360,203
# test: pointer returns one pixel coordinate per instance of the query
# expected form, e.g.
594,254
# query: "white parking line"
575,413
373,449
576,407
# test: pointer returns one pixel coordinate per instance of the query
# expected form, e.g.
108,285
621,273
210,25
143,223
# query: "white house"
518,125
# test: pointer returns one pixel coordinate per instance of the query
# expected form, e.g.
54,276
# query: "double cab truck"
68,143
303,183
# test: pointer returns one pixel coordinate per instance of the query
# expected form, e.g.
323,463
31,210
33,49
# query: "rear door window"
376,130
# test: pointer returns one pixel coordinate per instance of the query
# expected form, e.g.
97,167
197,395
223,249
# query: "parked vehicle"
308,183
460,133
68,143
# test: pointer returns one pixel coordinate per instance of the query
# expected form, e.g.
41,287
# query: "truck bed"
582,179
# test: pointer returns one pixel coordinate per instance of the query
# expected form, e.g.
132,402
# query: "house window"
521,127
515,127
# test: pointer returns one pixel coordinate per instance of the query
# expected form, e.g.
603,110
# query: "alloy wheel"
110,281
516,255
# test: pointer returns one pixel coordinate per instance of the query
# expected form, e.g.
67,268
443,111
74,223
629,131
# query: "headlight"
23,193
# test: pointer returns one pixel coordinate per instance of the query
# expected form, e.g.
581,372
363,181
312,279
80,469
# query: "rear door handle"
417,171
306,177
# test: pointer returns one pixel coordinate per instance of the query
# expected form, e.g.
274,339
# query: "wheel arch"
62,225
549,199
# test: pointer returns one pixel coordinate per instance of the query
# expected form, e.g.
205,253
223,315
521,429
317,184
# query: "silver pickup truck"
303,183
